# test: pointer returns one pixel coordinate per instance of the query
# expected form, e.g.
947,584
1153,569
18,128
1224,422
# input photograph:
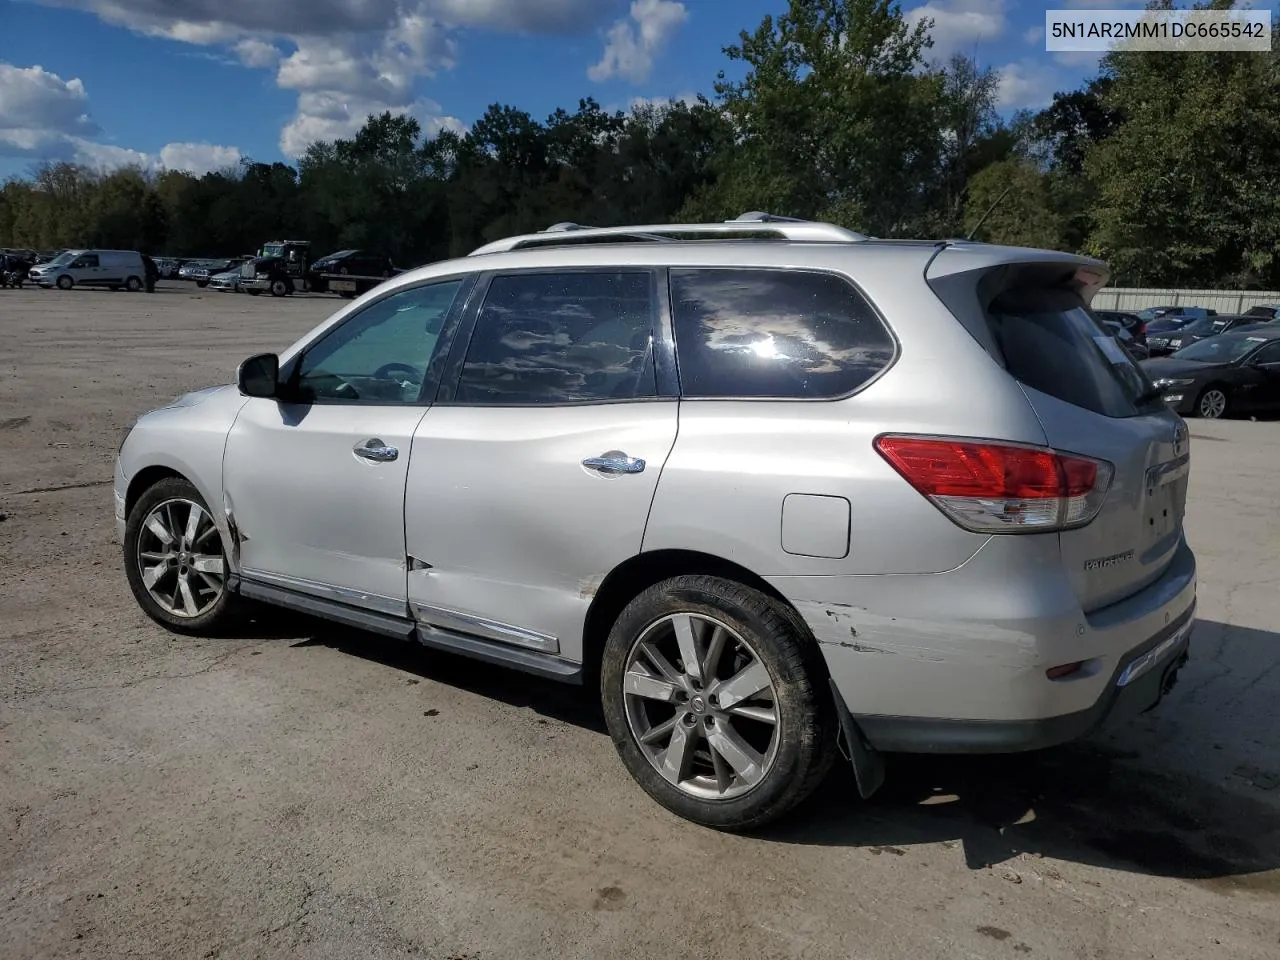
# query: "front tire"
202,284
715,699
65,282
1212,403
175,561
279,288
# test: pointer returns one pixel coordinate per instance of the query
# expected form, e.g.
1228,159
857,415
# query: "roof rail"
757,216
750,226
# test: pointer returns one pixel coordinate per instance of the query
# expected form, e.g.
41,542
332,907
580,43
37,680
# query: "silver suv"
776,489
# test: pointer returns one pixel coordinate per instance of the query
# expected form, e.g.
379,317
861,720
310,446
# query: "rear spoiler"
966,277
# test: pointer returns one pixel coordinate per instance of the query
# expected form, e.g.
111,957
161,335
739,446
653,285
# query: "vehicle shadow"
1088,802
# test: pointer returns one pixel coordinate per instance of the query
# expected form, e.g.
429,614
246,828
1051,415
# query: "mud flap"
868,765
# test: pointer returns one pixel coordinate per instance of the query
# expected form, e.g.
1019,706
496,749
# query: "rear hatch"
1092,399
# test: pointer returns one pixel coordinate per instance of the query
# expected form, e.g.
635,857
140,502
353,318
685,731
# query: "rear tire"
1212,403
65,282
202,284
133,284
175,561
743,737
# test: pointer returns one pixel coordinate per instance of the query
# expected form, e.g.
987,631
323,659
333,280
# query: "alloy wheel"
702,706
180,558
1213,404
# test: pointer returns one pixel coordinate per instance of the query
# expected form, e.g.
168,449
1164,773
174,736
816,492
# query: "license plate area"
344,285
1165,486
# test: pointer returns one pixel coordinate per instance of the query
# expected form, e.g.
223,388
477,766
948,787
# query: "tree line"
1167,165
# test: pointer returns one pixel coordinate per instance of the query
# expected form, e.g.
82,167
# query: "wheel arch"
144,480
636,574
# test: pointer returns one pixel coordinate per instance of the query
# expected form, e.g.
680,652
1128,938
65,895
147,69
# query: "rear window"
1051,344
774,334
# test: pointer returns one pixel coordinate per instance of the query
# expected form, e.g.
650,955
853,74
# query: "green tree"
1013,198
1186,184
835,118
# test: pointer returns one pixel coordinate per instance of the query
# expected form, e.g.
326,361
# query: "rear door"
1093,399
532,475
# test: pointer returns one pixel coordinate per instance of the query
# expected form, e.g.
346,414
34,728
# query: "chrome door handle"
614,462
375,451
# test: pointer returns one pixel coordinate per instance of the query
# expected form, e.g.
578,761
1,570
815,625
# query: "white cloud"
45,117
347,58
958,25
257,53
660,103
39,109
631,44
326,115
1079,58
1027,83
1034,35
198,158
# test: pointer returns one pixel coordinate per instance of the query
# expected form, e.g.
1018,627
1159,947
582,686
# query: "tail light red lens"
998,487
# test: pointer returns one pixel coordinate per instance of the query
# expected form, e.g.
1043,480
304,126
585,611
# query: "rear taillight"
999,487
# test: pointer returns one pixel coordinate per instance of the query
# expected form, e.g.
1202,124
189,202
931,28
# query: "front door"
532,476
1266,363
315,488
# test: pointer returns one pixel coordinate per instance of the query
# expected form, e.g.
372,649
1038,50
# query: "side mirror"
259,376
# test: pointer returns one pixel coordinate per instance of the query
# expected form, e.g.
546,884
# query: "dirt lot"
309,791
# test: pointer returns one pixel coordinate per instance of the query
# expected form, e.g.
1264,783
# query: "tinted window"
1268,354
562,338
381,354
1050,343
88,260
774,333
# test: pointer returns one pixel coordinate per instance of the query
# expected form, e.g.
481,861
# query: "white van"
92,268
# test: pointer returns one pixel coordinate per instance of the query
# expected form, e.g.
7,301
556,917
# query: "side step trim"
438,638
529,661
369,620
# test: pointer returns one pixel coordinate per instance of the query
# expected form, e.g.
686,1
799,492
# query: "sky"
200,84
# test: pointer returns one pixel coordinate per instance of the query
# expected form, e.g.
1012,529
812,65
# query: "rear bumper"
1139,683
956,662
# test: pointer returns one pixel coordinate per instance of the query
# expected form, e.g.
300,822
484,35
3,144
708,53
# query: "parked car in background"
1196,331
112,269
227,282
1161,313
350,272
769,498
204,271
1264,311
1234,372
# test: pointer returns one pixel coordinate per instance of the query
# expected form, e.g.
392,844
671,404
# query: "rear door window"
774,334
560,338
1050,343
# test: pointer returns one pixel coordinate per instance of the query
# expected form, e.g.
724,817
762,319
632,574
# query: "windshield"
1152,312
1219,349
1199,328
273,249
1166,324
63,258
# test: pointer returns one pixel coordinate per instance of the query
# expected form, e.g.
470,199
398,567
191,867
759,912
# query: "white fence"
1224,301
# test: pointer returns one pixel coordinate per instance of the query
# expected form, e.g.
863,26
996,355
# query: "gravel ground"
310,791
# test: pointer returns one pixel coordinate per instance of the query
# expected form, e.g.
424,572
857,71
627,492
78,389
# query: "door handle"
375,451
613,463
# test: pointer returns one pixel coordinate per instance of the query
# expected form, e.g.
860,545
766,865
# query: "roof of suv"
753,239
